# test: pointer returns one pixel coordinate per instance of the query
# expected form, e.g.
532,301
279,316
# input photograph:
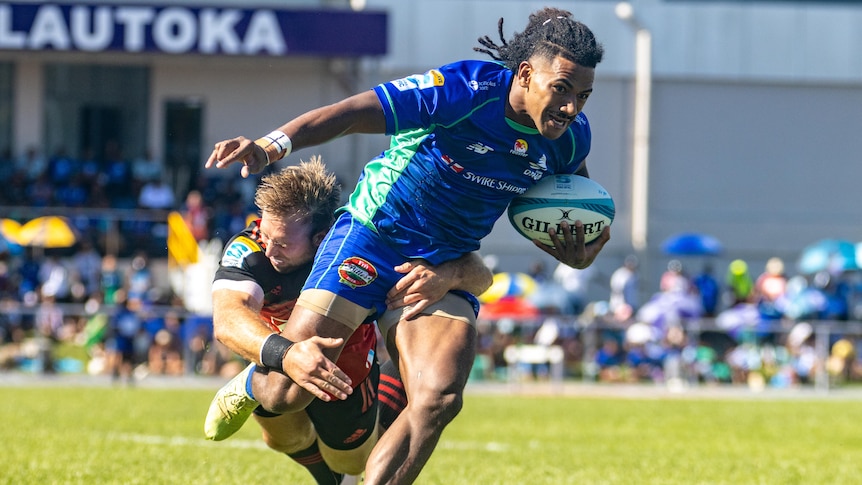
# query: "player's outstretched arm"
360,113
423,284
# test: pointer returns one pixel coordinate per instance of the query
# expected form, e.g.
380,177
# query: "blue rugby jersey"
455,161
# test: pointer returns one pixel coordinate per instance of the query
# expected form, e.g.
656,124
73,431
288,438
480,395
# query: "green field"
90,435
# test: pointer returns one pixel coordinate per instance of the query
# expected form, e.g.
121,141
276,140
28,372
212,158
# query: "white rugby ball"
559,198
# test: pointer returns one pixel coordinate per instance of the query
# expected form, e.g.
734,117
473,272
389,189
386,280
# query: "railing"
588,333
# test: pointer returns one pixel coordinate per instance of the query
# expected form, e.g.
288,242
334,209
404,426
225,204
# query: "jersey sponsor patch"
520,148
430,79
355,271
239,249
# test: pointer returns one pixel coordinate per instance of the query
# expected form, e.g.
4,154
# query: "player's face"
288,242
554,92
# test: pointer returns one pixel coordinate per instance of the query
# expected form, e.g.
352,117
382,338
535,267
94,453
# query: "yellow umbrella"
509,284
47,232
9,230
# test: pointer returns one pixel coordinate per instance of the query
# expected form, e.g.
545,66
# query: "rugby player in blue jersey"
466,138
259,278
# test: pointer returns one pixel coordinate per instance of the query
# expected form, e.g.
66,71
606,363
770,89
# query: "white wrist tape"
276,145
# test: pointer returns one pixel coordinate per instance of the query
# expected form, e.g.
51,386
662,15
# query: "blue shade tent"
692,244
833,255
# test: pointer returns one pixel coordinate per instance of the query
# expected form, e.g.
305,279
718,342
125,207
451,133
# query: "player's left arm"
573,251
237,322
424,284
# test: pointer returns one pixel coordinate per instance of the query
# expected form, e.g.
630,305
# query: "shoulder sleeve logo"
239,249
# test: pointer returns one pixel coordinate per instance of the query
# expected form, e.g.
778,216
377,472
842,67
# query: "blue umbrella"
833,255
692,244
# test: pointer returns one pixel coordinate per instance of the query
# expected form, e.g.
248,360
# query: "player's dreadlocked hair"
303,191
551,32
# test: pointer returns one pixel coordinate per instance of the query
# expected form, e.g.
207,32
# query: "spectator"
49,318
111,279
40,193
118,186
610,359
139,278
48,323
146,168
769,287
91,168
27,274
623,301
74,193
674,280
32,163
708,289
576,283
87,263
166,352
61,168
122,334
739,283
156,194
54,279
196,215
96,325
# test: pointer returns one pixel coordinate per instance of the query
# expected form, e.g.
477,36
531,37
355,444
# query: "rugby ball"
559,198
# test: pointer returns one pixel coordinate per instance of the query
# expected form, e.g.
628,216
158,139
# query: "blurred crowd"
95,314
86,309
733,327
111,181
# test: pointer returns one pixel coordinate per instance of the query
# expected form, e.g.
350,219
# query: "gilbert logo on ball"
559,198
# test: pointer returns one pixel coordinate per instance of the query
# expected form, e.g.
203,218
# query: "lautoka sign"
172,29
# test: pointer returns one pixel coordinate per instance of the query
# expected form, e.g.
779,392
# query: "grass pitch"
93,435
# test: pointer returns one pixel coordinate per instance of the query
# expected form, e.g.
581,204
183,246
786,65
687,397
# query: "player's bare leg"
435,355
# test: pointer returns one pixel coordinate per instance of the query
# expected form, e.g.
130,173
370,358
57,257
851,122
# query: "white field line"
156,440
185,441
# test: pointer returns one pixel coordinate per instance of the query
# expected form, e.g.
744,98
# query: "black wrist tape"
273,350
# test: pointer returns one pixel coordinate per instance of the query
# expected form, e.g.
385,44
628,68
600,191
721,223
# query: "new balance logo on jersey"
480,148
542,164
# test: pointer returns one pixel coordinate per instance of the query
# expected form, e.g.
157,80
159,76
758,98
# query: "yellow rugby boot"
230,408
